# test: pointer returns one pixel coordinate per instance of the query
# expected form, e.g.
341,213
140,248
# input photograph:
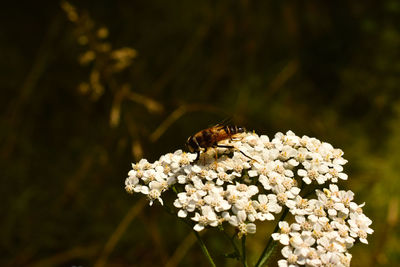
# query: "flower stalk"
271,244
204,249
244,260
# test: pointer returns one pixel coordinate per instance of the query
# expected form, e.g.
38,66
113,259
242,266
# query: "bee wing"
219,126
226,121
223,123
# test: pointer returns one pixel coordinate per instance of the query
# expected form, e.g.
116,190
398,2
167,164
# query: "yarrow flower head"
254,181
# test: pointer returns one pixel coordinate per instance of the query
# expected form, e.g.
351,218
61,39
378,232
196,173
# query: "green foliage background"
325,69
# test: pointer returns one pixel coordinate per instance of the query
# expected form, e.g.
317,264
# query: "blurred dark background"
87,89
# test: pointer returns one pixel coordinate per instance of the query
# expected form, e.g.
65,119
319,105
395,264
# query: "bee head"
191,145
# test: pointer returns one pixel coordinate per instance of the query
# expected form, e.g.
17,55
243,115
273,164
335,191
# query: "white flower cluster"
324,229
253,182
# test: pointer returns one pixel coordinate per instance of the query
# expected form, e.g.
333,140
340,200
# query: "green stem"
201,243
174,189
232,242
269,248
204,248
244,261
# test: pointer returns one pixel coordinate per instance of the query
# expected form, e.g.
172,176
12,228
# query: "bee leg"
216,153
204,159
225,146
198,156
236,138
222,146
216,156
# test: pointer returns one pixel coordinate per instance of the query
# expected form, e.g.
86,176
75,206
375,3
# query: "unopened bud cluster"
254,182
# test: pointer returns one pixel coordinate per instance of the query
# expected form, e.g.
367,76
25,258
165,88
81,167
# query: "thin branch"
73,183
177,114
282,77
119,231
152,105
184,56
181,251
66,256
16,112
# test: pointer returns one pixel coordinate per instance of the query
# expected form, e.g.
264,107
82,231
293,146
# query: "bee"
211,136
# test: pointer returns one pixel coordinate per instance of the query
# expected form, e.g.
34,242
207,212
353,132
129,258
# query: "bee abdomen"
233,129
